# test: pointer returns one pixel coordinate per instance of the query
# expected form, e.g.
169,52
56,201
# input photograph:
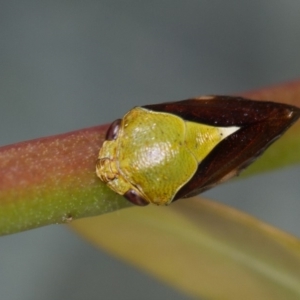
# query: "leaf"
202,248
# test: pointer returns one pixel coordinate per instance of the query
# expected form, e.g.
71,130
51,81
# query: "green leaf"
202,248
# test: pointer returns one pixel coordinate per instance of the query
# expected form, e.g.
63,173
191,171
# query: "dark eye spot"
113,130
135,198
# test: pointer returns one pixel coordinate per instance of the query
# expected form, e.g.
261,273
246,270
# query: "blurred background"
66,65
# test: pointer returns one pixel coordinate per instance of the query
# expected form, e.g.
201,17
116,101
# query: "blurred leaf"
202,248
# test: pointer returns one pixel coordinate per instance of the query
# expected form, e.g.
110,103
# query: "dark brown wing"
260,122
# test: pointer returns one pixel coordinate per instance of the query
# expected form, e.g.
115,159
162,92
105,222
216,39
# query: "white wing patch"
227,131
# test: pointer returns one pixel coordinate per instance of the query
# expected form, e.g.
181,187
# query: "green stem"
52,180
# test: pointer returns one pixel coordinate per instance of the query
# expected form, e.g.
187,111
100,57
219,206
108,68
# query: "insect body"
162,152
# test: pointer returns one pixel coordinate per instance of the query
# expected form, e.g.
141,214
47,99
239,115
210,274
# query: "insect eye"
113,130
135,198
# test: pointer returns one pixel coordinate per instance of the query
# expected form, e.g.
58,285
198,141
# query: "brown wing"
260,122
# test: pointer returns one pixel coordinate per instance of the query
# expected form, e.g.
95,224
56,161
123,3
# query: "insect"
162,152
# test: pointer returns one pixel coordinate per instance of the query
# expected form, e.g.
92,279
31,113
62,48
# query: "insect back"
162,152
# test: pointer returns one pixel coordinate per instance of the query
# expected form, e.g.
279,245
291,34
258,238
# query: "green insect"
162,152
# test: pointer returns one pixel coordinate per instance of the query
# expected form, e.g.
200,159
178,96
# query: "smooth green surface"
46,206
202,248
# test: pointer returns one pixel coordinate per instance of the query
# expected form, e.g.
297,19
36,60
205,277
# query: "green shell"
157,153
